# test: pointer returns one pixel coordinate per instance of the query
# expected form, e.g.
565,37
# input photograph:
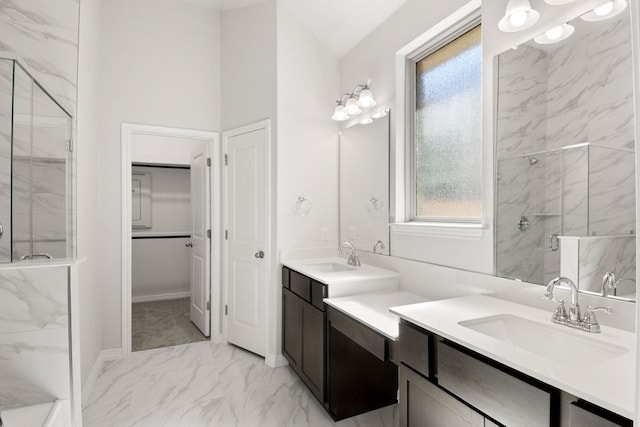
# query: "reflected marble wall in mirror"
565,190
364,185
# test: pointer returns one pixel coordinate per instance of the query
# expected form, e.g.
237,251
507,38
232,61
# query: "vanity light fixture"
555,34
380,113
605,11
351,104
366,121
518,16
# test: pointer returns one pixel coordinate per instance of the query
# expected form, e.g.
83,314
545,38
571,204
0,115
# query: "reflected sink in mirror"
331,267
547,341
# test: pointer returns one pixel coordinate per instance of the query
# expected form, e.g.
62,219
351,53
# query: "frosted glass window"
447,135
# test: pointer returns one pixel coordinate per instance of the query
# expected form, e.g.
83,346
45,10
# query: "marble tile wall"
34,336
44,34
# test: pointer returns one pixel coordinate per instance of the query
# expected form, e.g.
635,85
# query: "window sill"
443,230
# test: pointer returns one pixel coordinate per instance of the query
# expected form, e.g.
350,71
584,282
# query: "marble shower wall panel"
575,203
611,191
518,253
33,299
6,87
602,254
34,339
44,34
610,119
568,94
521,102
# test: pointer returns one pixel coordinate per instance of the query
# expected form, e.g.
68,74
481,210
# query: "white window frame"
453,26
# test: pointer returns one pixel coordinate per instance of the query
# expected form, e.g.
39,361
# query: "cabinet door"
423,404
291,328
313,348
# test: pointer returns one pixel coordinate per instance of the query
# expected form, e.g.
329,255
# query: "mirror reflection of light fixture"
605,11
518,16
380,113
350,104
557,2
555,34
366,121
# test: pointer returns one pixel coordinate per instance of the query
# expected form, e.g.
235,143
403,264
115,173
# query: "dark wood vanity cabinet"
442,383
303,329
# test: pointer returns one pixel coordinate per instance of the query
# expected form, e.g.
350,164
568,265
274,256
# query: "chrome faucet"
573,319
353,258
609,282
375,246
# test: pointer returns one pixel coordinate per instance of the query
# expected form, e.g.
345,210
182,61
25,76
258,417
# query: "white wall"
160,64
308,84
88,115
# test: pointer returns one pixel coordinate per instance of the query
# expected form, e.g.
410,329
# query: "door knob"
259,254
189,244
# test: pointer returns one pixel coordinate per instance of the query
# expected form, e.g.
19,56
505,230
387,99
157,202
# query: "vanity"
338,334
483,361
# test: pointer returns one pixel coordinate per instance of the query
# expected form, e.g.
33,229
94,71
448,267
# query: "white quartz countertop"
354,280
373,309
610,384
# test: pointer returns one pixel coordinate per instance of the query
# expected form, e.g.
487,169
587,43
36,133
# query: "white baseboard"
103,356
275,360
161,297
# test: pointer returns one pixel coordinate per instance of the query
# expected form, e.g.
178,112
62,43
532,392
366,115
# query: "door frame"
128,130
269,250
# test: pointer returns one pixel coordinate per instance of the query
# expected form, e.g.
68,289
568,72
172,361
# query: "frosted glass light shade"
605,11
352,108
339,114
518,16
366,99
555,34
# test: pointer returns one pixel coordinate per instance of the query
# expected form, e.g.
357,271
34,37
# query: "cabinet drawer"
318,293
365,337
507,399
586,414
415,345
300,285
285,277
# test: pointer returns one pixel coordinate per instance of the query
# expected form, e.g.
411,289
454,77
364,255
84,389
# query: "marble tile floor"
162,324
207,384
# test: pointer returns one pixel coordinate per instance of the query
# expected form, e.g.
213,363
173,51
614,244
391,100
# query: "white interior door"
201,243
246,263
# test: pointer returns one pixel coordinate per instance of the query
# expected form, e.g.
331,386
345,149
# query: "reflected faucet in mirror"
353,258
376,244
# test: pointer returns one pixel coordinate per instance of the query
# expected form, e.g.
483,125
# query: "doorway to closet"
171,256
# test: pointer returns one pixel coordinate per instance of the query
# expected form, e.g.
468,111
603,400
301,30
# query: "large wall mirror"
565,159
364,185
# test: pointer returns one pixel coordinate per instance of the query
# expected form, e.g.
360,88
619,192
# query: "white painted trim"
269,258
211,138
275,360
444,230
160,297
96,369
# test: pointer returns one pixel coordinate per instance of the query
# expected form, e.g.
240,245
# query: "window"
446,147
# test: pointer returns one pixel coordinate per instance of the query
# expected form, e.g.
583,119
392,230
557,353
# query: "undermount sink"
331,267
546,340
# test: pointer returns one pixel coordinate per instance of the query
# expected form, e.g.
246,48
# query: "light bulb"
554,33
352,108
518,18
604,9
366,121
366,99
339,114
